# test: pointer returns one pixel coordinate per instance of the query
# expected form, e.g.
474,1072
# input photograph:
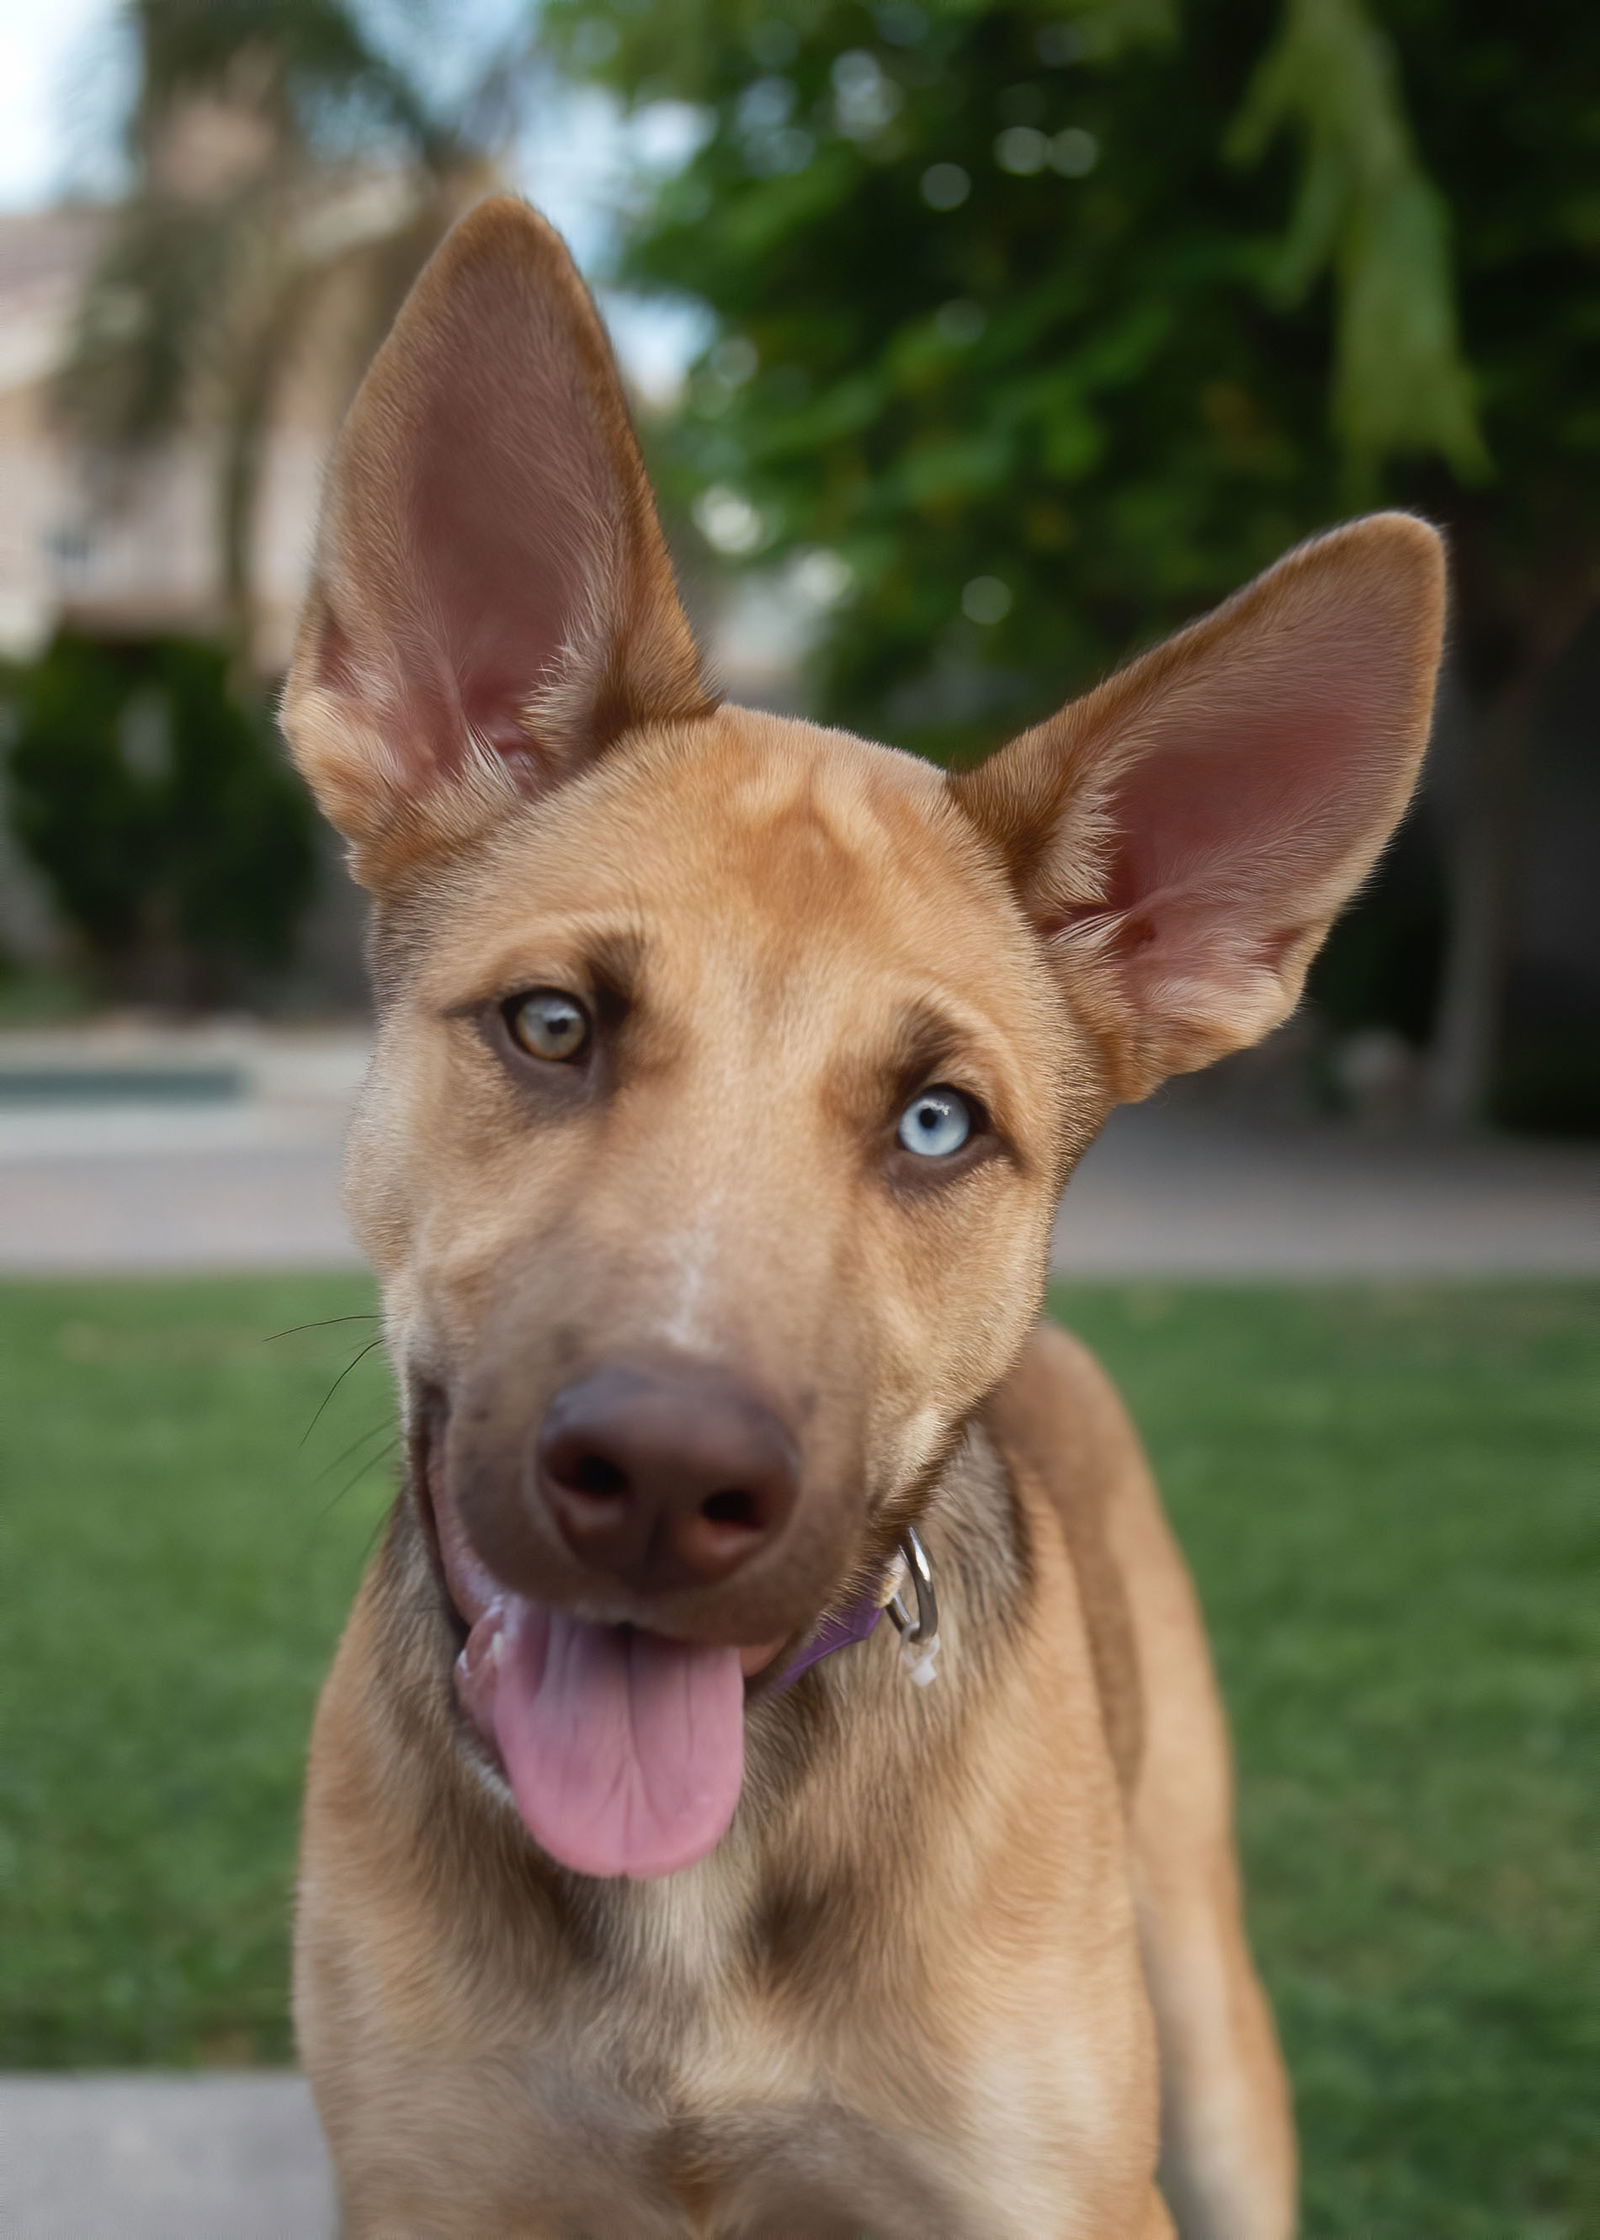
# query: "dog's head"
729,1068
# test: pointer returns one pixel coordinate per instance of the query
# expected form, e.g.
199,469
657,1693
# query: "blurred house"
126,547
45,258
132,546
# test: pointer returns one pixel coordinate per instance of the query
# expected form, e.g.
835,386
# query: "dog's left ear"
492,604
1183,836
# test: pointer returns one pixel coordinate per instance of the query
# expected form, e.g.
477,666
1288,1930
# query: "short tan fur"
969,1959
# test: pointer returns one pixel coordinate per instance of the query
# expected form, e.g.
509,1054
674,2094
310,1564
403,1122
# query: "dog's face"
730,1068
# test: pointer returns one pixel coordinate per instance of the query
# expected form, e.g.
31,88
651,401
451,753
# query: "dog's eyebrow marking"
614,957
929,1043
611,955
924,1044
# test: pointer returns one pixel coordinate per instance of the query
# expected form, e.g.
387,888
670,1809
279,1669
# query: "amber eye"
548,1024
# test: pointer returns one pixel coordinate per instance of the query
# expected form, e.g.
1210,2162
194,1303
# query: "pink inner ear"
1187,831
493,576
506,521
1241,789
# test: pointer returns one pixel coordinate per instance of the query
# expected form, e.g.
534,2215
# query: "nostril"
732,1507
669,1476
594,1473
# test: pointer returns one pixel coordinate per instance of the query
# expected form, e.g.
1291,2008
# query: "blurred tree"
1017,358
278,154
176,842
1511,125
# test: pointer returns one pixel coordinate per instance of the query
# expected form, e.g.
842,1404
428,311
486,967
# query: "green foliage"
1387,1496
1367,207
963,276
1381,966
174,838
1005,320
313,66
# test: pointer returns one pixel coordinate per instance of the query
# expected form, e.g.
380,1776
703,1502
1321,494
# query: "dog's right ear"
492,603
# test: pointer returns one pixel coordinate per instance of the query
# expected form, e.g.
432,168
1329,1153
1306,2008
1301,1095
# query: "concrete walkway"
1176,1189
102,1178
117,1211
211,2157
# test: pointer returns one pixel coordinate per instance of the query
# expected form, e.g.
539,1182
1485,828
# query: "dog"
727,1074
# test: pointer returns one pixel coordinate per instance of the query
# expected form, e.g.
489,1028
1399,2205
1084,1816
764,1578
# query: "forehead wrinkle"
796,783
831,910
801,851
792,871
794,1012
611,943
929,1037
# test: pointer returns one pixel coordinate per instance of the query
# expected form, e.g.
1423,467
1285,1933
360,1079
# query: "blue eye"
936,1122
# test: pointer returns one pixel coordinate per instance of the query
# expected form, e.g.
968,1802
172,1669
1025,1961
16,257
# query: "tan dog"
728,1074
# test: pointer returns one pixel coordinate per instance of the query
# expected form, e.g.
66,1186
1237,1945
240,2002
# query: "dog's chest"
739,2129
683,2092
727,2152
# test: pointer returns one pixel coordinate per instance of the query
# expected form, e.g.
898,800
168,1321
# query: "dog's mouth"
623,1749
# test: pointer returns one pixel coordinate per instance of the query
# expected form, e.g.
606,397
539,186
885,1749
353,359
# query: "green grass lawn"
1392,1501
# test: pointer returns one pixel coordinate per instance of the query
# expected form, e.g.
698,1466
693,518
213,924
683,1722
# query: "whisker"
326,1323
372,1536
385,1423
349,1485
371,1345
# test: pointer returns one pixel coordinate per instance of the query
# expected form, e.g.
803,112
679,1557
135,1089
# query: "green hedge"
162,814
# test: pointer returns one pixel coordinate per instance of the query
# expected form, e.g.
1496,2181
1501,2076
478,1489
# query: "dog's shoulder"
1058,1418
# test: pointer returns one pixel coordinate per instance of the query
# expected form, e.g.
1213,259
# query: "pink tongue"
625,1751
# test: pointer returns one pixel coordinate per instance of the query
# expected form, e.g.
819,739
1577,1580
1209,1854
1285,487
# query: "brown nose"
665,1477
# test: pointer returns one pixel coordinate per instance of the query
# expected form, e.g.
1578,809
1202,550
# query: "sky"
63,79
53,64
63,74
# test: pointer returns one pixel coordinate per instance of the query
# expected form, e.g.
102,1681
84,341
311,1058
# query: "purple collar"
918,1628
841,1632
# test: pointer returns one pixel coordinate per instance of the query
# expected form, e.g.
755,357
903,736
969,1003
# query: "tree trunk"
1484,872
246,431
1483,878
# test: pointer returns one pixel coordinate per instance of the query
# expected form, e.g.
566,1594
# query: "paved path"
1166,1193
1177,1188
122,1212
139,1183
151,2157
1174,1190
